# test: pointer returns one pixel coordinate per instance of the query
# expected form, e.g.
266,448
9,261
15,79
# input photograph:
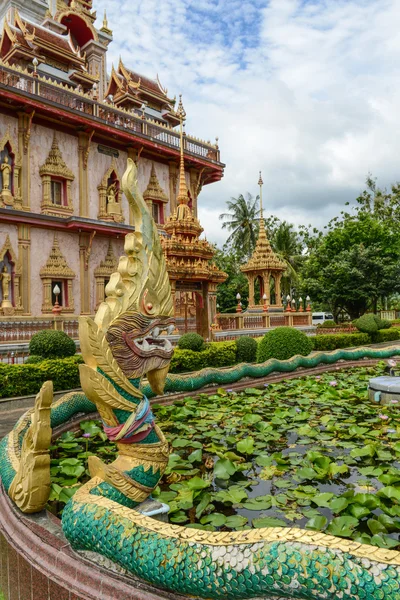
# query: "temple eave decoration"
57,270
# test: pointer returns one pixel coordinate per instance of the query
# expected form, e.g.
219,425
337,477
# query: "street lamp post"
288,308
239,304
265,305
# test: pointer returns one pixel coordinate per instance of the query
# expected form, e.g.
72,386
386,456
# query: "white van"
320,317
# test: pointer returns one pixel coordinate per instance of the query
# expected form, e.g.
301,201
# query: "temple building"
67,127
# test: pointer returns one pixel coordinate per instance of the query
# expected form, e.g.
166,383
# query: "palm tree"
287,246
242,222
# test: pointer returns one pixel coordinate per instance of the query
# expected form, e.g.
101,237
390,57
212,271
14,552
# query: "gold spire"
183,191
105,20
260,183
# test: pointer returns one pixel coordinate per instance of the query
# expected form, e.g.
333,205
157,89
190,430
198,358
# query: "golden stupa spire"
183,191
262,224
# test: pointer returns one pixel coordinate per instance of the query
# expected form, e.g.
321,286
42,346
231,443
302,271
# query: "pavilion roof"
263,258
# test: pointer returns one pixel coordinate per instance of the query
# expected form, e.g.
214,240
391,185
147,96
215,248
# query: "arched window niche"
10,166
110,196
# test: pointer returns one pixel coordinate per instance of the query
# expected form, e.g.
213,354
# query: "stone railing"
21,329
264,320
64,95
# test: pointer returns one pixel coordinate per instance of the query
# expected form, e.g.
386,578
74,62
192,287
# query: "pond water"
311,452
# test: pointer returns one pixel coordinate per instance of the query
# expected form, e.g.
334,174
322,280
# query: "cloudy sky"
308,91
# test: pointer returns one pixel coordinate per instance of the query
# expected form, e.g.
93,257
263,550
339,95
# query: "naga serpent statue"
119,347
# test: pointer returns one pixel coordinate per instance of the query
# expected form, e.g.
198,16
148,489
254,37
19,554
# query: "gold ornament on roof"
154,191
56,265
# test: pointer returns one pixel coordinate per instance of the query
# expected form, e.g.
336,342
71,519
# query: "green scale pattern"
229,572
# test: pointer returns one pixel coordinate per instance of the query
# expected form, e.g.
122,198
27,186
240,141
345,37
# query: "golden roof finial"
105,20
260,183
183,191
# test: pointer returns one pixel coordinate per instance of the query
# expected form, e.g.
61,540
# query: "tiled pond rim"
37,563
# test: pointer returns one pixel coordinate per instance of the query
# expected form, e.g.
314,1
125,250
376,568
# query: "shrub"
340,340
216,354
383,323
23,380
283,343
387,335
191,341
367,323
52,344
328,324
33,359
246,349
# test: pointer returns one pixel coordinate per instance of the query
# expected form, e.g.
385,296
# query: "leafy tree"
356,262
229,261
288,246
242,223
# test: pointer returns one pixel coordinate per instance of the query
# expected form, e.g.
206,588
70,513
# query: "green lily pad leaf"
215,519
180,443
306,473
55,492
269,522
338,504
253,392
233,495
259,503
368,500
179,517
371,471
196,483
196,456
67,493
318,523
224,469
384,541
389,523
323,499
342,526
391,493
251,419
263,460
246,446
389,478
235,521
166,496
358,511
203,504
376,526
270,472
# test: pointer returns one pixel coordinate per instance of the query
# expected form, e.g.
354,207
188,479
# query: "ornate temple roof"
130,90
22,41
154,191
188,257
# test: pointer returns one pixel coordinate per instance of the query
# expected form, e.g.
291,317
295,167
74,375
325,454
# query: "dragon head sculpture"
138,306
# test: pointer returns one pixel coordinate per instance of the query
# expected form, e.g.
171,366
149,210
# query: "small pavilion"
193,277
265,267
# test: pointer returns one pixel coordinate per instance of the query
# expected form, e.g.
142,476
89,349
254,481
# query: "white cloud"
305,90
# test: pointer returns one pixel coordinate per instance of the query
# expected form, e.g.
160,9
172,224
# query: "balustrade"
21,330
111,115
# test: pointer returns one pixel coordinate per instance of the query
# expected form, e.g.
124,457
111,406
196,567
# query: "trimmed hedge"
283,343
387,335
246,349
328,324
52,344
215,354
340,340
33,359
191,341
23,380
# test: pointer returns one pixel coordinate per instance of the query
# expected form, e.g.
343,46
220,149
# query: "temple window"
57,272
10,192
110,196
155,198
56,184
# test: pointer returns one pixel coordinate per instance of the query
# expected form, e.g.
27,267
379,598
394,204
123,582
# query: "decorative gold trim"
104,271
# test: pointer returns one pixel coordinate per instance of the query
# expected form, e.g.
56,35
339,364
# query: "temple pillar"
84,253
173,180
278,293
84,148
267,288
205,313
24,258
95,56
24,134
251,290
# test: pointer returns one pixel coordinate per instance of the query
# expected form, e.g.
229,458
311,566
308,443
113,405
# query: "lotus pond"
311,452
